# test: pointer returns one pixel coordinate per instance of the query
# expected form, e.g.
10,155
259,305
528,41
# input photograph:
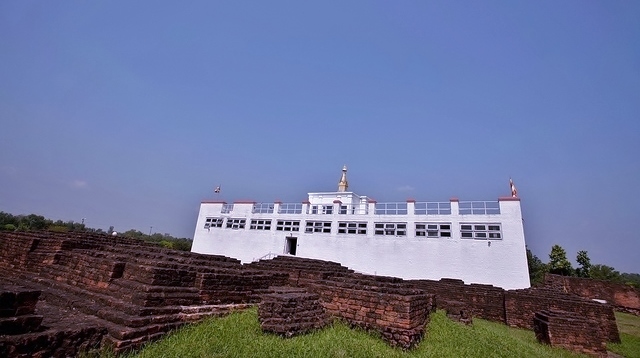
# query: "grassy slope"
629,326
239,335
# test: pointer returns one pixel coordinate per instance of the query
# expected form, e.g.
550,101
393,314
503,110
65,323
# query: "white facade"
478,242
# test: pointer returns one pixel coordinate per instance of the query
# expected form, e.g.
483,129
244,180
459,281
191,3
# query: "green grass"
239,335
628,323
629,326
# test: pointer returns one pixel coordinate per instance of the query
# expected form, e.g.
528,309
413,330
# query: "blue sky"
130,113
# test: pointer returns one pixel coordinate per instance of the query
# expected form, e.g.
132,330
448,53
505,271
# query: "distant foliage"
537,268
164,240
604,272
33,222
631,279
558,264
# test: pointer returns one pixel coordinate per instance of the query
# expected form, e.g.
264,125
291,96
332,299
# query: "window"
236,223
434,230
481,231
259,224
213,222
318,226
288,225
391,229
290,208
350,227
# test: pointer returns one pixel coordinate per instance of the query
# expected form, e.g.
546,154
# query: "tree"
604,272
537,268
35,222
585,264
558,263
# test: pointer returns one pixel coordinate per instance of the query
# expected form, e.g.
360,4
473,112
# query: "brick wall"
136,292
17,310
400,314
290,311
625,298
520,306
570,331
483,301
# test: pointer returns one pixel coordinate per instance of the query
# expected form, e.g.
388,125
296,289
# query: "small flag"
217,189
514,191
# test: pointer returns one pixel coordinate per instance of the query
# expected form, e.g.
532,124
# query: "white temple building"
475,241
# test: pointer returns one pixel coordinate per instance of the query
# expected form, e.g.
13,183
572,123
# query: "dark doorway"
292,243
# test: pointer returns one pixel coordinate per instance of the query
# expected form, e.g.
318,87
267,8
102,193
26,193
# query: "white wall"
501,263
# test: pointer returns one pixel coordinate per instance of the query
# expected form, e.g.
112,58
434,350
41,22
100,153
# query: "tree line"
33,222
559,264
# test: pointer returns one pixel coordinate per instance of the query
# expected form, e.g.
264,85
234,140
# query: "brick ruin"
625,298
94,290
519,304
400,314
60,332
291,311
482,301
383,304
458,311
558,328
17,310
127,291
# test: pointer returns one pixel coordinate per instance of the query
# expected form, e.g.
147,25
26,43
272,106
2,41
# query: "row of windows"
318,226
477,231
390,229
433,230
352,228
480,231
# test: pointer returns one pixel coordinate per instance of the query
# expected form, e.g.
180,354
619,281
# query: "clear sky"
129,113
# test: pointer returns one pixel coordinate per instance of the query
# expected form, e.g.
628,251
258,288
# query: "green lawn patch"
239,335
628,323
629,327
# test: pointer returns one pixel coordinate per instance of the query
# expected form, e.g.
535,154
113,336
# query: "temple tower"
343,185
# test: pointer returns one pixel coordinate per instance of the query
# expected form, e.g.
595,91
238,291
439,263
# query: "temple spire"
343,185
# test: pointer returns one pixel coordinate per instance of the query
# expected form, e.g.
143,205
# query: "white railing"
432,208
290,208
227,208
262,208
391,209
398,208
478,207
